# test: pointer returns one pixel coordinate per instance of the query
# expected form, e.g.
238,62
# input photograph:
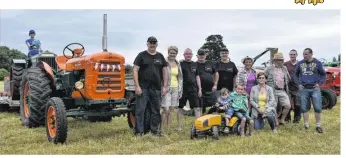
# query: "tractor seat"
61,62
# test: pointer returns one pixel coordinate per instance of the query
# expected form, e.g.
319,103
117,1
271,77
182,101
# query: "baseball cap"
152,39
201,52
224,49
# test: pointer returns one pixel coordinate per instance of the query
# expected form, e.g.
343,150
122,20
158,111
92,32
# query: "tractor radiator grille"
50,61
108,80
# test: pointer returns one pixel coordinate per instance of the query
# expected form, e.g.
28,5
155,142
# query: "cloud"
245,32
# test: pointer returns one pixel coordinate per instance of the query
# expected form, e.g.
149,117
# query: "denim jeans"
315,95
259,121
154,107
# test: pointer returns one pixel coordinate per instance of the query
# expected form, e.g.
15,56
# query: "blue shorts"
229,112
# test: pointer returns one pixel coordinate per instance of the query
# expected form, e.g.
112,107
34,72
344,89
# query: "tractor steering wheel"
72,51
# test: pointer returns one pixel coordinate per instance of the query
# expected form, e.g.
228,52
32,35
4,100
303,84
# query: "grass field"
1,86
116,138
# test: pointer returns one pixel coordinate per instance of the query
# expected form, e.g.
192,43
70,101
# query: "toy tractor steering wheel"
76,52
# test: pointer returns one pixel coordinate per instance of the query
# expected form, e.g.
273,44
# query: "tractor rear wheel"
35,92
131,119
328,98
16,76
193,132
56,121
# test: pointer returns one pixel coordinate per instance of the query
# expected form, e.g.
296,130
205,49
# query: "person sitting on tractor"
34,45
241,109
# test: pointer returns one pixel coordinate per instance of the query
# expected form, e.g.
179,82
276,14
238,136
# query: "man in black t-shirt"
209,79
191,85
150,77
227,74
227,71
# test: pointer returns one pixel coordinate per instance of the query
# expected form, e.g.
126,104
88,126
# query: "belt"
279,89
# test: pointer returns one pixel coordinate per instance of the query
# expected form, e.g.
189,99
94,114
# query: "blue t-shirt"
34,42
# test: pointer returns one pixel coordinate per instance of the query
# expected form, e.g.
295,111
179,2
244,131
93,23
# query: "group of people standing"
168,83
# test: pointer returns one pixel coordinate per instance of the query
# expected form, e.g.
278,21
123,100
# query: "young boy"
224,103
240,107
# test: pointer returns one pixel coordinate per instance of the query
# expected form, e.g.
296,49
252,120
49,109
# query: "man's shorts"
192,97
281,99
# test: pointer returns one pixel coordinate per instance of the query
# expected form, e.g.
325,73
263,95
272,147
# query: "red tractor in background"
331,88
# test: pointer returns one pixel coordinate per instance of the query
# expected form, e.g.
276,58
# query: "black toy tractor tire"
56,121
193,132
35,92
215,132
16,76
328,99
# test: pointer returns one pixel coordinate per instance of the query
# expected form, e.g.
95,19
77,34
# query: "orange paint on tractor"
98,84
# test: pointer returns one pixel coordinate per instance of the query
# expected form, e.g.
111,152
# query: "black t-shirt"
190,71
206,73
227,72
150,70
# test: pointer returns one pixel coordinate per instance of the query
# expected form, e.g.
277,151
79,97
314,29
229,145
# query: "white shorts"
171,98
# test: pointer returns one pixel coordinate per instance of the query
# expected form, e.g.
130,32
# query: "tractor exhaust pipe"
104,37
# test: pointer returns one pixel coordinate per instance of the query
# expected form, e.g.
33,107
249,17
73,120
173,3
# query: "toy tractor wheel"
193,133
215,132
236,128
328,99
16,76
56,121
35,92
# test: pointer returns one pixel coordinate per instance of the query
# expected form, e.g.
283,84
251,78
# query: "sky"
245,32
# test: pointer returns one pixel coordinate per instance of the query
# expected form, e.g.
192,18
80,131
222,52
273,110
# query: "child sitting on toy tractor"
240,107
223,105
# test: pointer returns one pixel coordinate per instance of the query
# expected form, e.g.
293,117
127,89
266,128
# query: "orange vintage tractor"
53,88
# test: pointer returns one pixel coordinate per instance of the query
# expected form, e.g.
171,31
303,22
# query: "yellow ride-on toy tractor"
214,125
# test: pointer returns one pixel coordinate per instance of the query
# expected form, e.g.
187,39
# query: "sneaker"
306,126
275,131
319,129
226,130
250,134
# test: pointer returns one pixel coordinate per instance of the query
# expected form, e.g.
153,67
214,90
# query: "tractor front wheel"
56,121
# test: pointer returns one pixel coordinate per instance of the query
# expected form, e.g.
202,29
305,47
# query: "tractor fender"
43,65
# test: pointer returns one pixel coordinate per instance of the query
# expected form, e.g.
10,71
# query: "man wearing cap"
209,77
191,85
227,72
278,79
310,74
293,87
150,78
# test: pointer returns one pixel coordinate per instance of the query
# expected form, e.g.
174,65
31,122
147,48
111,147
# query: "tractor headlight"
79,85
334,75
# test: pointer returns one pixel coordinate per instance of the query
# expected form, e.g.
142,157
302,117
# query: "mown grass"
116,138
1,86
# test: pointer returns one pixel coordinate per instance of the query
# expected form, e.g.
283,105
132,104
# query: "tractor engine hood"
104,76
